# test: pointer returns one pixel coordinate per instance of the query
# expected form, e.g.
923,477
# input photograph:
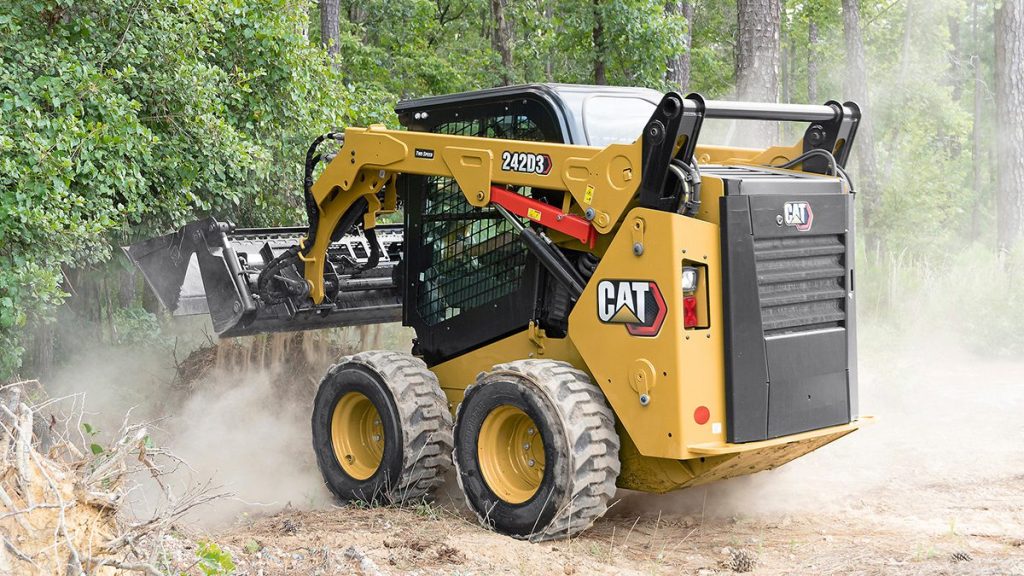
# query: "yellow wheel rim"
511,454
357,435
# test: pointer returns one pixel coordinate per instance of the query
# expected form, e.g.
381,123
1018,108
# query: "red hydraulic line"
545,214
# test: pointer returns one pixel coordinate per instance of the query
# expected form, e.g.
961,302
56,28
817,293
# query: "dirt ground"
935,487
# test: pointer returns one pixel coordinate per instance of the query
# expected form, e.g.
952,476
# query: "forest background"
122,119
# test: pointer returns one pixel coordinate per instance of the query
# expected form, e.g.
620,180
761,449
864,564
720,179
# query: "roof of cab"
565,99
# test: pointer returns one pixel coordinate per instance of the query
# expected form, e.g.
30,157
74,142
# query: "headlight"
689,279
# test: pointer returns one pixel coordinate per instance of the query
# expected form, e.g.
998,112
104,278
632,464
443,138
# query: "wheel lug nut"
531,463
376,437
526,446
531,432
376,422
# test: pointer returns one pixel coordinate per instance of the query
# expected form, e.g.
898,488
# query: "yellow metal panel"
471,168
458,373
678,369
663,475
711,190
753,156
333,205
712,449
612,173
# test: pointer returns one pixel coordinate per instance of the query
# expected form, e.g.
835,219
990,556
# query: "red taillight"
689,311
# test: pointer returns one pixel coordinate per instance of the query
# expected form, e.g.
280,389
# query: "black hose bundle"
312,159
689,175
270,272
837,170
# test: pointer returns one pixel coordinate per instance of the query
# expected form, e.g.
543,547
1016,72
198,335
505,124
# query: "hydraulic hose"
312,159
837,170
689,174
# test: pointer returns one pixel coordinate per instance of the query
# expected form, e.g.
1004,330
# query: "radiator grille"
801,283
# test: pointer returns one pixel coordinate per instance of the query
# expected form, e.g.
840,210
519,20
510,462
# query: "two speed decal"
525,162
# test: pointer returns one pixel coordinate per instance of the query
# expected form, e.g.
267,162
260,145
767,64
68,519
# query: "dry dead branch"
62,511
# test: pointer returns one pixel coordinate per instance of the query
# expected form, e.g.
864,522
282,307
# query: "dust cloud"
236,413
251,436
947,418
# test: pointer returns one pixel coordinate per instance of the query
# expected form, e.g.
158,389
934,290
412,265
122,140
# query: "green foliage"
973,293
252,546
993,318
120,119
137,327
637,40
91,432
214,560
714,43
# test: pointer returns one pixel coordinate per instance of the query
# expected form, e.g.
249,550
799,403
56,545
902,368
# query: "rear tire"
382,431
514,486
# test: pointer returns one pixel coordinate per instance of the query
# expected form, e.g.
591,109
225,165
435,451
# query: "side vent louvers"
800,283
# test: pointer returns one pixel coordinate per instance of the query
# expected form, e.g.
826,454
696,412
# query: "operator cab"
470,280
579,114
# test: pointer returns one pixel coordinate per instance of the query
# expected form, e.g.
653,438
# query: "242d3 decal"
638,304
525,162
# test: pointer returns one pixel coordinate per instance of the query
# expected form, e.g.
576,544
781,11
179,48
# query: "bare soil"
935,487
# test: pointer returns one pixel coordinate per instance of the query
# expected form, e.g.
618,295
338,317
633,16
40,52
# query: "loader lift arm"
322,275
600,183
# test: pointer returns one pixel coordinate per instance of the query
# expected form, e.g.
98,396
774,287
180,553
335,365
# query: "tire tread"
589,425
426,421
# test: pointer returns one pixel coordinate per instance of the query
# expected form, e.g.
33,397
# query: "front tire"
382,432
536,450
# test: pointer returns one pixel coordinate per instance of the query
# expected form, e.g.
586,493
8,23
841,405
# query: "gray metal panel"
192,296
851,311
808,381
770,183
829,214
806,375
746,368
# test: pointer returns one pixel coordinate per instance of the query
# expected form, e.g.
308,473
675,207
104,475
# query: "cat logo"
637,304
798,215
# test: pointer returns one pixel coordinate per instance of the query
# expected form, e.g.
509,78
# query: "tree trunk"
501,40
908,27
757,60
549,64
677,73
600,75
956,56
1009,24
857,90
812,62
786,66
330,31
976,145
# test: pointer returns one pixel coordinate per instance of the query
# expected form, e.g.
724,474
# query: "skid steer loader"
599,299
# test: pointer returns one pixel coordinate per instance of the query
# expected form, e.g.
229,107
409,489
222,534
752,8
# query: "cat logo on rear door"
638,304
798,215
